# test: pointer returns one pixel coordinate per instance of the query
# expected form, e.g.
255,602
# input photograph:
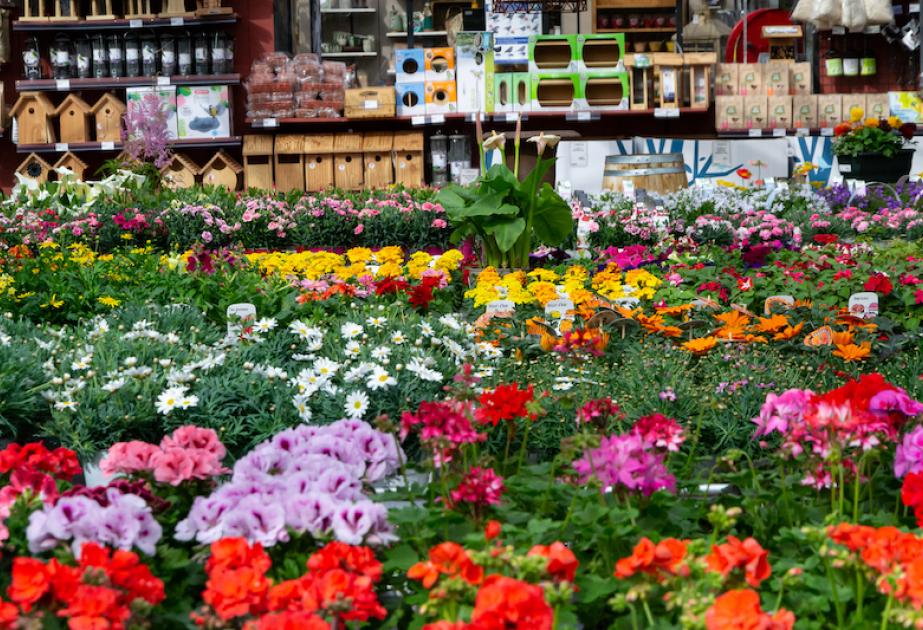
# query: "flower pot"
873,167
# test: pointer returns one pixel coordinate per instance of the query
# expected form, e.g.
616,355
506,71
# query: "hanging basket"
874,167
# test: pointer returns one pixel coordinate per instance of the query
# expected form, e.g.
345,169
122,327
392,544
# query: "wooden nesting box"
33,112
289,162
639,73
212,7
181,172
376,153
138,9
175,8
347,161
408,158
318,162
698,66
72,163
100,10
74,119
668,72
66,10
108,112
223,171
35,168
258,162
33,11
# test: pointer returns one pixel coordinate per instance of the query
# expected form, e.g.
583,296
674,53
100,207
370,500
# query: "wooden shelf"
71,85
341,55
658,29
635,5
194,143
123,24
403,34
356,10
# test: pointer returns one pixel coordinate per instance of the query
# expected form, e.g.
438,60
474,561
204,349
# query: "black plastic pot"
874,167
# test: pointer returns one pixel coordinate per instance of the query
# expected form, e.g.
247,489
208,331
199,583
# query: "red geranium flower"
504,603
879,283
740,610
562,563
826,239
744,173
748,555
506,402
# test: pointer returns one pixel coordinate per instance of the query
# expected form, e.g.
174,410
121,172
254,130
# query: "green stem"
860,594
634,617
855,495
647,612
836,596
510,428
522,449
887,612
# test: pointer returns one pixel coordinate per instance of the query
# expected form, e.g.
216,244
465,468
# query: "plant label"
863,305
238,315
501,308
782,302
628,189
560,309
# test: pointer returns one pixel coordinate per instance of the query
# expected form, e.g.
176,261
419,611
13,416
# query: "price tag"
270,122
826,131
177,21
628,189
779,133
418,120
107,146
559,309
863,305
755,133
914,8
437,119
62,85
370,105
666,112
846,168
512,117
872,30
135,24
838,30
501,307
584,116
165,81
61,147
802,132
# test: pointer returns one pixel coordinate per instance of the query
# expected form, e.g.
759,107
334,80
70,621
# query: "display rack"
121,24
81,147
68,85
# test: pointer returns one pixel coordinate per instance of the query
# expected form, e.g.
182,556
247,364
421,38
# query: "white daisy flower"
83,363
379,379
357,404
65,405
264,325
398,338
426,330
301,406
350,330
188,401
114,386
326,368
381,353
353,349
170,399
303,331
449,321
376,322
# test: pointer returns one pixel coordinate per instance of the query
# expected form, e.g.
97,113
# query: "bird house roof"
32,97
227,159
108,99
32,157
73,102
70,159
184,161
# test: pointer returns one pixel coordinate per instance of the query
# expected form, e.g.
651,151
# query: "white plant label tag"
238,315
785,301
559,309
501,308
863,305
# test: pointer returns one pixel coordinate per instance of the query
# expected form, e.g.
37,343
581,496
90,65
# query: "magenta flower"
624,461
480,487
659,432
908,458
779,410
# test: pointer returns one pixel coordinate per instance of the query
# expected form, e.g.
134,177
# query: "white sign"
863,305
62,85
756,133
559,309
628,189
501,308
238,315
370,105
579,155
666,112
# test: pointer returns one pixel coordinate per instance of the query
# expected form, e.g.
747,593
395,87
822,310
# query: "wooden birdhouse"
35,168
138,9
222,171
347,161
639,73
66,10
668,73
107,113
212,7
698,69
289,162
33,11
74,119
181,172
72,163
33,113
100,10
318,162
408,158
376,153
175,8
258,162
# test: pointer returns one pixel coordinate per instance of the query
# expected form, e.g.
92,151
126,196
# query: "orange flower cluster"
562,563
662,560
449,559
101,592
741,610
748,555
340,584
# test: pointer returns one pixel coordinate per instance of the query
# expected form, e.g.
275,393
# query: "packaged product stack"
270,87
319,87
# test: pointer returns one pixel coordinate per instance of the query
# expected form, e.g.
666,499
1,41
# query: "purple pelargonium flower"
908,458
624,461
779,410
895,399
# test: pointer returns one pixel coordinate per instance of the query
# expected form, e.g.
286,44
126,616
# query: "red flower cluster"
340,583
103,591
443,425
879,283
661,560
505,402
562,563
504,603
449,559
598,412
741,610
480,487
60,463
748,555
390,286
422,294
659,432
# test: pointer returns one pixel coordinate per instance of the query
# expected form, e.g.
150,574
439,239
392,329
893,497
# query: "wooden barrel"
663,173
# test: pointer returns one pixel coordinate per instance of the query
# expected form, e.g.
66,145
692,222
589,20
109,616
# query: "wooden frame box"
74,119
222,171
639,75
258,172
318,162
668,73
698,69
289,162
376,153
372,102
348,170
408,158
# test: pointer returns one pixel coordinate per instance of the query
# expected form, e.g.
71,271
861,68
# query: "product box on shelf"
905,105
370,102
605,91
756,114
440,97
799,78
780,112
829,110
167,97
601,53
439,64
502,94
409,65
511,42
751,79
556,91
776,76
853,102
729,113
409,99
474,70
876,106
203,111
804,112
726,79
553,53
521,92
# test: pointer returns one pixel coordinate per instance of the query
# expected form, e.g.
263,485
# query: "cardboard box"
605,91
370,102
780,112
776,78
799,79
203,111
440,97
750,81
729,112
553,53
601,53
409,65
502,92
876,106
556,91
474,71
851,102
439,64
804,112
829,110
512,31
756,112
905,105
521,93
726,79
167,98
409,99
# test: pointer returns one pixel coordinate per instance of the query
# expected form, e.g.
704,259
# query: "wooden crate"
348,172
379,167
257,152
408,158
371,102
318,162
289,162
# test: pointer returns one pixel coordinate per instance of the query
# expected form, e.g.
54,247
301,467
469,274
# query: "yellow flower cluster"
359,261
6,283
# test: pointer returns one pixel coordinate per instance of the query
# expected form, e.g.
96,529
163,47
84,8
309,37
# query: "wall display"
203,111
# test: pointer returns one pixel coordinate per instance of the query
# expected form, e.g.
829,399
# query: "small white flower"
188,401
302,330
114,386
170,399
83,363
380,379
265,325
381,353
130,362
65,405
350,330
356,405
449,321
164,363
301,406
353,349
398,338
426,330
325,368
376,322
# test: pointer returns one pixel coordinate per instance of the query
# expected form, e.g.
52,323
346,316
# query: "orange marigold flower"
772,324
701,345
789,332
734,324
748,555
673,332
851,352
841,338
755,339
741,610
673,311
562,563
